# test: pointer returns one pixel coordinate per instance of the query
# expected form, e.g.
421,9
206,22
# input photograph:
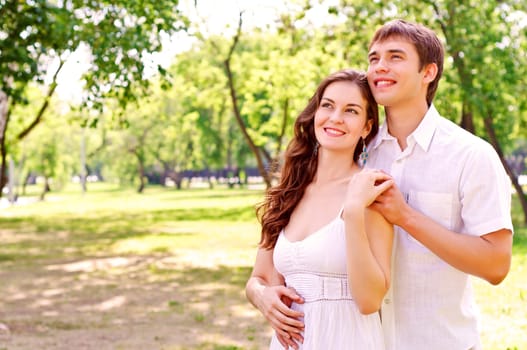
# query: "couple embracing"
370,236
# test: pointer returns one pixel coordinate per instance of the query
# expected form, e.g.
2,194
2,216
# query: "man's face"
393,73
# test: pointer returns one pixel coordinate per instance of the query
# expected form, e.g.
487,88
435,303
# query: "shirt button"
387,301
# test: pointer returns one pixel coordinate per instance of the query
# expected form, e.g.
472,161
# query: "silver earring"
363,157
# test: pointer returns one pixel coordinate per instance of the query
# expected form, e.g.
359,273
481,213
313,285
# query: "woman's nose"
335,116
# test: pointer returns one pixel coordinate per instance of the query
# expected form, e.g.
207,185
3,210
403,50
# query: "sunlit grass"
127,222
200,242
504,307
207,241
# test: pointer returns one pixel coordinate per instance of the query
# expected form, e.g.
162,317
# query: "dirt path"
126,302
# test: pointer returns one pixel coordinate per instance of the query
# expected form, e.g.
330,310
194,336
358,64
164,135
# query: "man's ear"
430,72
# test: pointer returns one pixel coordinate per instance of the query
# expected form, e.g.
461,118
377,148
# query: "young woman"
323,264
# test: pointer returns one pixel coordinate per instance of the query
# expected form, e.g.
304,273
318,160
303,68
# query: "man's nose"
381,65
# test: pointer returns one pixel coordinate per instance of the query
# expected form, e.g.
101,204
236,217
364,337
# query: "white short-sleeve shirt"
456,179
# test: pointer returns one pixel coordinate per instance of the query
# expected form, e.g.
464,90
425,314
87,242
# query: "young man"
450,204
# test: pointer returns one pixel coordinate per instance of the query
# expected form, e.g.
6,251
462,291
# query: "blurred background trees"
162,97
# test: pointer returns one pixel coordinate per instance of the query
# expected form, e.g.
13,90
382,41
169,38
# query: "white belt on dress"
315,287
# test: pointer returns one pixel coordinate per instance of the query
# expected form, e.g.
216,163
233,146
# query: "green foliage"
51,151
28,33
117,34
189,123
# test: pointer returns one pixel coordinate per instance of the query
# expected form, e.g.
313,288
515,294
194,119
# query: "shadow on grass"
206,307
223,308
227,275
26,239
207,194
104,227
138,218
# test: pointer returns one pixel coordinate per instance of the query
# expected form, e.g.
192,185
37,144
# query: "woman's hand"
365,186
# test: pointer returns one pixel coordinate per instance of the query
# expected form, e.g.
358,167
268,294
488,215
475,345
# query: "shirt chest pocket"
435,205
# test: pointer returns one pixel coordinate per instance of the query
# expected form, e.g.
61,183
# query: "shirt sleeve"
485,192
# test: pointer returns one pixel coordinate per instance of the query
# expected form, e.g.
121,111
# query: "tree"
488,61
269,83
199,87
118,35
236,107
50,152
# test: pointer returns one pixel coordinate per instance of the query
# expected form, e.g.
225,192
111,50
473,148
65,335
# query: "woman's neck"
334,168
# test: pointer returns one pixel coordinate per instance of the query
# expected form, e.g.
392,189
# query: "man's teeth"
384,83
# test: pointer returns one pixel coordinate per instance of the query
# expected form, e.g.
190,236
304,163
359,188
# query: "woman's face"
340,120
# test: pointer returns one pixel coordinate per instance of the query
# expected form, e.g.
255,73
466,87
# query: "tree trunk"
46,188
26,181
261,167
83,161
11,182
44,106
4,120
514,178
141,173
467,120
250,142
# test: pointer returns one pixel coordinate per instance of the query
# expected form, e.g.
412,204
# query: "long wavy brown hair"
300,159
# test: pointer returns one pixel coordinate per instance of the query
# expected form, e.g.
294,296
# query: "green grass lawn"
200,243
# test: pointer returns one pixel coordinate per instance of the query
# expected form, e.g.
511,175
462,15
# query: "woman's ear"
367,128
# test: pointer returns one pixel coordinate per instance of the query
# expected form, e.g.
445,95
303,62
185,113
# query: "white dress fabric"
316,268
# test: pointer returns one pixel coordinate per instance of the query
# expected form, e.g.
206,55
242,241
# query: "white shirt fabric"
456,179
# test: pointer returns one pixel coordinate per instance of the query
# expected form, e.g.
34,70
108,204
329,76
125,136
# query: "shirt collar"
422,134
426,129
382,135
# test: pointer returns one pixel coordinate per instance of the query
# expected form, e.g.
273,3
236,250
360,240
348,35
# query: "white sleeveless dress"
316,268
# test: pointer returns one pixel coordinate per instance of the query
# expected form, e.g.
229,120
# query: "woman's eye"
352,110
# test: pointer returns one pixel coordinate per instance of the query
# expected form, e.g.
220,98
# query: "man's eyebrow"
373,53
396,51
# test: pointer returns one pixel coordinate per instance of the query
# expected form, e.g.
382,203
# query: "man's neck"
402,121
